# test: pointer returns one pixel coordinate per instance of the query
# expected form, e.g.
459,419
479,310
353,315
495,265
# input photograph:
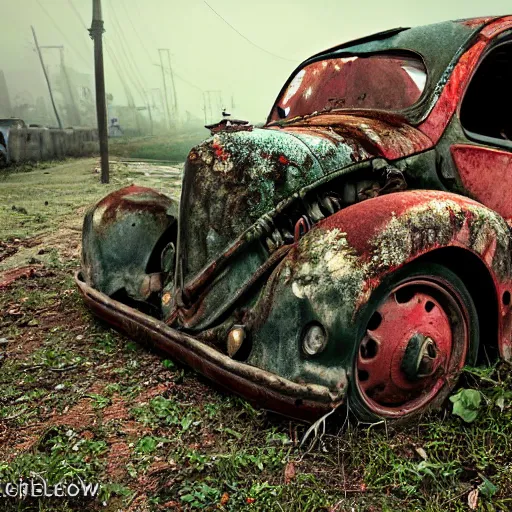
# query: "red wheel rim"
416,341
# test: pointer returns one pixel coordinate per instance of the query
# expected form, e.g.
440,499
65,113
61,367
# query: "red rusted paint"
384,380
498,26
476,22
362,221
301,228
360,228
505,328
436,123
335,83
386,136
123,200
486,173
387,389
220,152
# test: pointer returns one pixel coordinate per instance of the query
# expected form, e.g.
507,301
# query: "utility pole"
204,108
96,31
175,97
150,118
5,100
74,118
165,88
46,77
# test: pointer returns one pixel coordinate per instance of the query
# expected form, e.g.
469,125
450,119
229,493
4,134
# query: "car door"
484,159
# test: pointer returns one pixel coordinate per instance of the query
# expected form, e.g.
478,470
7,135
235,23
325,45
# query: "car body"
6,125
351,251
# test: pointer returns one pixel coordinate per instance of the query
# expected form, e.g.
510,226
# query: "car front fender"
121,235
329,277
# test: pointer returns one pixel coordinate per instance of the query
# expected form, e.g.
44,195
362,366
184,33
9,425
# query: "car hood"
234,178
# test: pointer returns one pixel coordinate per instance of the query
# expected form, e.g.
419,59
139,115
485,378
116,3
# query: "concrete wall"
35,144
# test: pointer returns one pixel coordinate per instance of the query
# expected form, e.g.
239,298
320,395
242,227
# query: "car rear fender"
329,276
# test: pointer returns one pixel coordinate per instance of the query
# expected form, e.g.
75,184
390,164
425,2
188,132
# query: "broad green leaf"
487,488
466,404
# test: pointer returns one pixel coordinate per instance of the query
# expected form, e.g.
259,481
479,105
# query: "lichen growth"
326,263
327,267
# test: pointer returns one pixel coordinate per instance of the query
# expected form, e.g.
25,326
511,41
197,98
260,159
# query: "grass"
80,401
169,148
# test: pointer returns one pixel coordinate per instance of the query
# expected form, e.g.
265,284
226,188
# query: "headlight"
235,339
314,340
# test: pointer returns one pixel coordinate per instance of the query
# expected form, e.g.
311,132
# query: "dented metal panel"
119,236
486,173
329,277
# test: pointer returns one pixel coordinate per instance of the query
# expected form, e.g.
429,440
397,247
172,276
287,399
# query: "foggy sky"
206,51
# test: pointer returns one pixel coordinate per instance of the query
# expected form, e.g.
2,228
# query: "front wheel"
421,329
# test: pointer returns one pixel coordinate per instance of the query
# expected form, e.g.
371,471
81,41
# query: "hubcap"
414,341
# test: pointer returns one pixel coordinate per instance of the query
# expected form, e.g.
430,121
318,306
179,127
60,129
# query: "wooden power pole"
47,78
96,31
74,117
169,120
174,96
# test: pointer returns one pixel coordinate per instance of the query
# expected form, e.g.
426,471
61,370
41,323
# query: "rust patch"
387,136
481,169
128,199
437,121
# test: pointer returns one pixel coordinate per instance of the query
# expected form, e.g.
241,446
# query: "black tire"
459,309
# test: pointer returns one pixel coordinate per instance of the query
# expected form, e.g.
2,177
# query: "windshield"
383,82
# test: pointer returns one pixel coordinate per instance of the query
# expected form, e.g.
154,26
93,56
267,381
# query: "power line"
131,69
246,38
136,31
75,10
113,58
63,35
181,78
119,72
148,53
139,81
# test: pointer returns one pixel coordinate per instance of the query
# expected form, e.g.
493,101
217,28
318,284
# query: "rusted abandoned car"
355,250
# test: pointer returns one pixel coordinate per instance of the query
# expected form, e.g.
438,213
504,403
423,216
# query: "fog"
244,64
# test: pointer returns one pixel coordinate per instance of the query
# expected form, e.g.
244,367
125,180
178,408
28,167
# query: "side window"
487,106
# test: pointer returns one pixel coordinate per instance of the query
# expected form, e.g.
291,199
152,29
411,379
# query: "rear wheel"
421,328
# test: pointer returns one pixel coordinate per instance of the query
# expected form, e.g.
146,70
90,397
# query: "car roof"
439,45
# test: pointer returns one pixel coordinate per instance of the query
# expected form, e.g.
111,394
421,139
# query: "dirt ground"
78,401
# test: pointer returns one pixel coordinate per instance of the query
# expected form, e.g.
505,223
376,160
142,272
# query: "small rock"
79,337
59,387
422,453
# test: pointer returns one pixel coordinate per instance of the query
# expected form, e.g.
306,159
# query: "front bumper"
262,388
